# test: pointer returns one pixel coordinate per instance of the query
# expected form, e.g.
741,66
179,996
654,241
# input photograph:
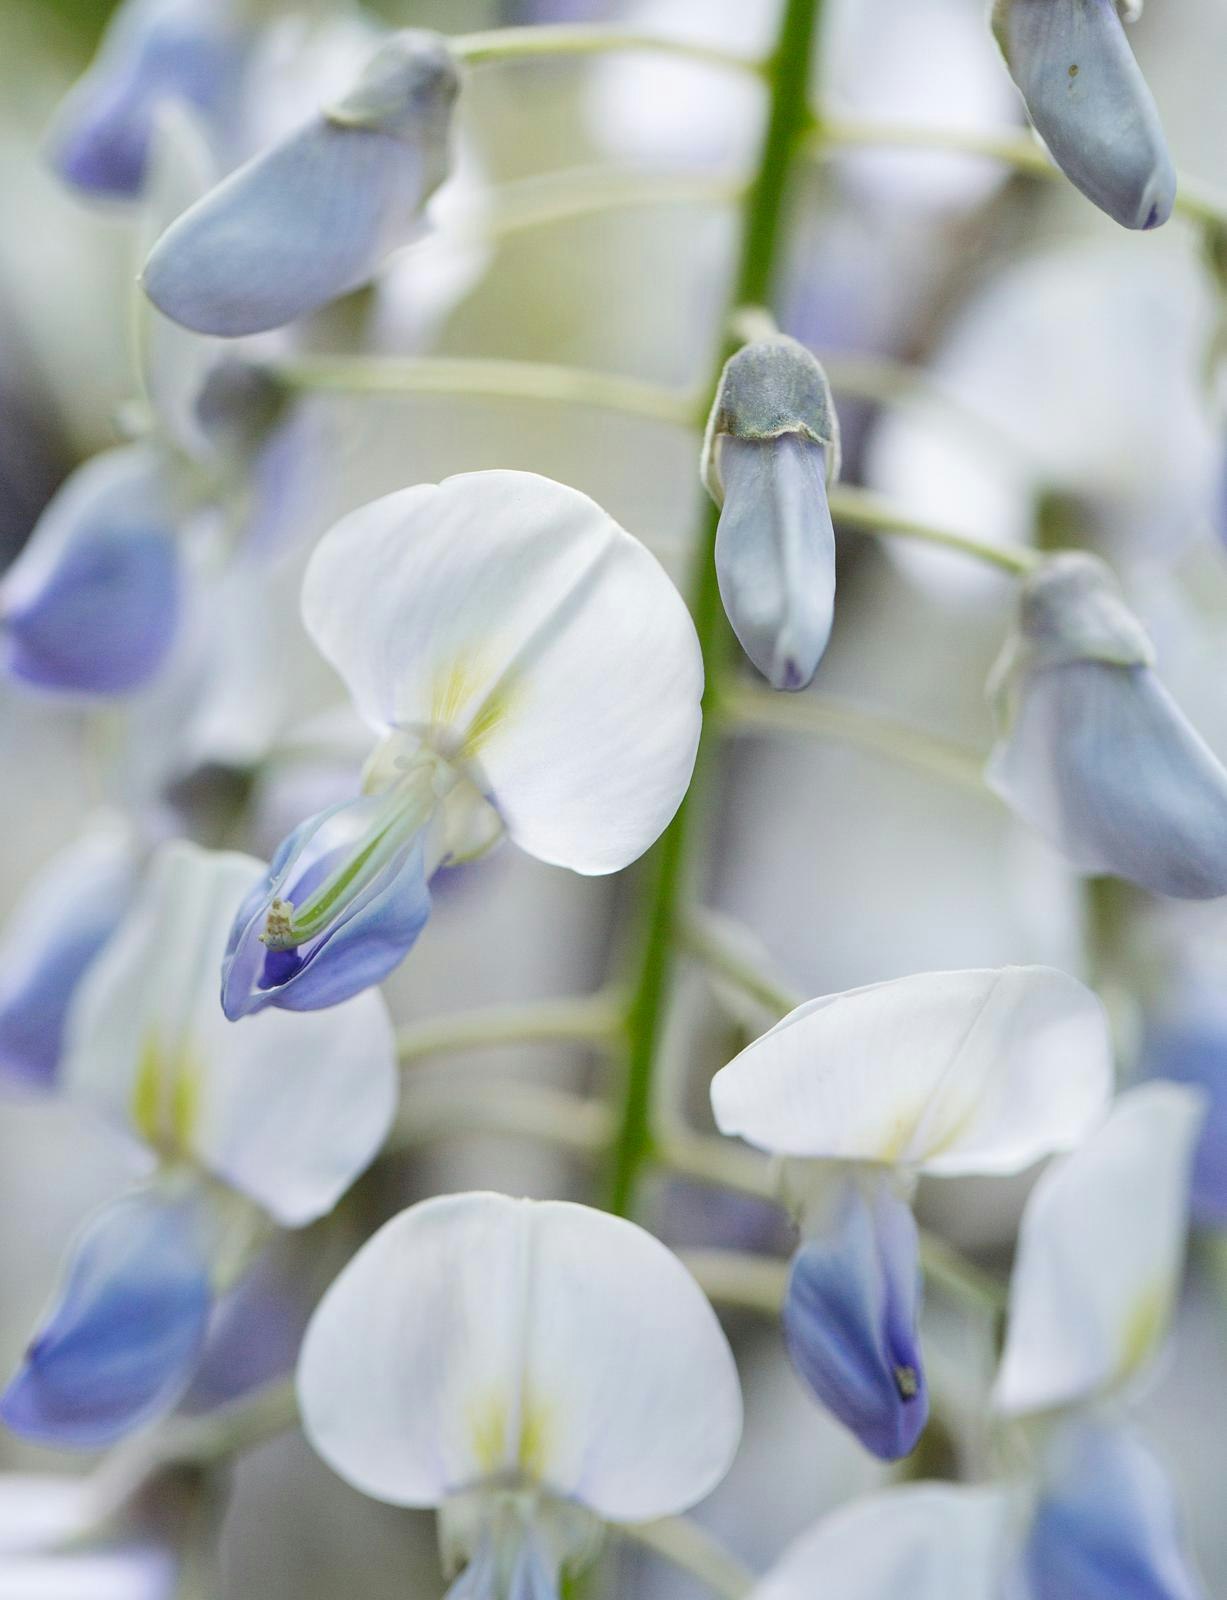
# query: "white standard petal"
1100,1255
925,1541
514,621
287,1108
480,1338
948,1072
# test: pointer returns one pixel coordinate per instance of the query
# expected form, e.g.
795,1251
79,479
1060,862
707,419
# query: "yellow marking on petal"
165,1097
147,1091
488,1428
462,686
953,1133
1143,1327
535,1437
896,1139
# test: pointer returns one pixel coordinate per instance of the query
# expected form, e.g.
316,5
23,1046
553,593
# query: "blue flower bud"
313,217
1106,1526
154,50
1090,103
1094,752
772,442
92,603
851,1311
123,1338
345,900
1193,1050
57,929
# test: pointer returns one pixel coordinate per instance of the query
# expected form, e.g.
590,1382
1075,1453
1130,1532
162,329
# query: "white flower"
529,668
532,1369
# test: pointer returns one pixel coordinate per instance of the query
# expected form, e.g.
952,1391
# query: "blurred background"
1005,361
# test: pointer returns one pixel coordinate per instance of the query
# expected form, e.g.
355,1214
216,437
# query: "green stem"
749,709
448,1107
1019,151
587,39
691,1548
788,76
725,948
574,1019
497,380
859,508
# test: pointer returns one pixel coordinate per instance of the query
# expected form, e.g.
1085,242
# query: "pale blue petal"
1089,101
154,50
530,1577
1195,1053
368,938
125,1333
53,935
92,603
1102,762
775,554
1106,1526
850,1319
313,217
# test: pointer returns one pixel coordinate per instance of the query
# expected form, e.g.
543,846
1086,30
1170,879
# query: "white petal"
951,1072
135,1574
38,1512
286,1108
544,642
476,1335
925,1541
1100,1254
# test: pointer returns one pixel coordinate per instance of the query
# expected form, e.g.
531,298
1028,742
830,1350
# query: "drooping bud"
154,51
1094,753
1106,1524
92,603
772,445
313,217
1090,103
851,1311
122,1340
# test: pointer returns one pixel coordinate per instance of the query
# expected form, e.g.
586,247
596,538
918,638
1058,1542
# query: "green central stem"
788,80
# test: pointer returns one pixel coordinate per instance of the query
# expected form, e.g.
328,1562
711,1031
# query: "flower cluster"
310,695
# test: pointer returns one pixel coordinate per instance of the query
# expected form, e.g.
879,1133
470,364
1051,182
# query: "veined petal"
477,1337
925,1541
357,872
121,1341
286,1109
56,930
1106,1525
1101,761
91,604
775,554
951,1072
154,51
513,622
851,1312
1100,1254
314,216
1088,99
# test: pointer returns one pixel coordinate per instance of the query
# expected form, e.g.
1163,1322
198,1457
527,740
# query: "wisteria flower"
1086,95
772,444
1094,752
154,52
235,1131
313,216
943,1073
530,670
531,1369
